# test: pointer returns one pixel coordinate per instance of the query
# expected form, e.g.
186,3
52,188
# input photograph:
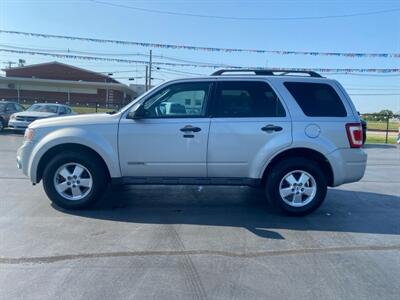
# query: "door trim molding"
136,180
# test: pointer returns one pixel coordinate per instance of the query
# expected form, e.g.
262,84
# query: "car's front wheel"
2,124
297,186
74,180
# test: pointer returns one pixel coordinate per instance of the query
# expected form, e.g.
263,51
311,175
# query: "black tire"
364,133
280,170
2,124
92,164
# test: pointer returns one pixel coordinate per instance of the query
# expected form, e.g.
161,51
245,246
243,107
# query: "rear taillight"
354,134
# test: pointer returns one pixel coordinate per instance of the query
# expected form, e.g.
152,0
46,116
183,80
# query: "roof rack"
267,72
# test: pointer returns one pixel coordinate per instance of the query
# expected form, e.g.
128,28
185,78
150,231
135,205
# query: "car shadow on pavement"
343,211
380,146
11,132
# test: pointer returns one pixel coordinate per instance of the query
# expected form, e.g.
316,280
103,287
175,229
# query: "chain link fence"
83,107
382,128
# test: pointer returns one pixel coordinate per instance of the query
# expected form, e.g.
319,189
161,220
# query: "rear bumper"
348,165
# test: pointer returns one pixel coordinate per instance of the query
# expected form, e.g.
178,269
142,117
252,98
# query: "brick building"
62,83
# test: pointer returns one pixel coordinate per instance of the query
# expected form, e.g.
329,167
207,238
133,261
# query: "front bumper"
348,165
24,156
18,125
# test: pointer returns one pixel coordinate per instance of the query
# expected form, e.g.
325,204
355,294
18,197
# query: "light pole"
146,80
105,82
150,66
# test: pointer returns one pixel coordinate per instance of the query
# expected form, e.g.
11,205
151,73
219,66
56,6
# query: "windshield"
2,106
137,100
131,103
43,108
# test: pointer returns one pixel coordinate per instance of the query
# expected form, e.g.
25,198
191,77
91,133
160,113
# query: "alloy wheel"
297,188
73,181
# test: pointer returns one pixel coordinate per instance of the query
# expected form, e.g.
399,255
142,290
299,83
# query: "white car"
292,135
21,120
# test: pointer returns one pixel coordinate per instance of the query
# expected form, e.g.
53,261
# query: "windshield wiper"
112,112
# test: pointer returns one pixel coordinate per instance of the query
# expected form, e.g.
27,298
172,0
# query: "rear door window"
317,99
243,99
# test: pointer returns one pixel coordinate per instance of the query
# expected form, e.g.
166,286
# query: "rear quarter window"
317,99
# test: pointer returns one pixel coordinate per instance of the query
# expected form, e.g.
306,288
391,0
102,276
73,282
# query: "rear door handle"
190,128
271,128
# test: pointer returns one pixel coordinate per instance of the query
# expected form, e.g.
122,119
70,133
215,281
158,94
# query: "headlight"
13,117
29,134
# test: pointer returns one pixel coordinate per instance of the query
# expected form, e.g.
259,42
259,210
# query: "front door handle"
190,128
271,128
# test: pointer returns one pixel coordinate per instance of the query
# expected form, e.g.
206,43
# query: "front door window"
179,100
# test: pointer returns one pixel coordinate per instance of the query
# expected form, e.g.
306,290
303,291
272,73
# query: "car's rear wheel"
364,133
74,180
297,186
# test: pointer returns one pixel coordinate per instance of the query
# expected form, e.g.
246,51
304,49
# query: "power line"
96,58
122,71
109,54
362,86
161,74
166,70
174,13
139,77
374,94
364,75
171,73
157,69
208,49
71,51
129,61
190,61
373,89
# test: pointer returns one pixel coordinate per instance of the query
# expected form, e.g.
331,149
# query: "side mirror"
139,113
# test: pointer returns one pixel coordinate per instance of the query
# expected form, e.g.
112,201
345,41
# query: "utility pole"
150,63
146,78
105,82
10,63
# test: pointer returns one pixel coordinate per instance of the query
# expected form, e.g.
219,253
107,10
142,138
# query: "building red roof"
58,71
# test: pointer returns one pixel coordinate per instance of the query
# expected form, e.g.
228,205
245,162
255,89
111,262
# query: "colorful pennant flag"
209,49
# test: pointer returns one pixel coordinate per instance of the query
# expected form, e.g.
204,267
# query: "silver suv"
293,134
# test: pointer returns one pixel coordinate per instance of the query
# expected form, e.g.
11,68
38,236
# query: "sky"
93,19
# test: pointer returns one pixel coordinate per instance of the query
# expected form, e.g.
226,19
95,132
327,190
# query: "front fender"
103,140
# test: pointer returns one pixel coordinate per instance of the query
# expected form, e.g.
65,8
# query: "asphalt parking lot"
148,242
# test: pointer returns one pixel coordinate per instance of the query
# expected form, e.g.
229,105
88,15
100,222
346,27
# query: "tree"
380,116
387,112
